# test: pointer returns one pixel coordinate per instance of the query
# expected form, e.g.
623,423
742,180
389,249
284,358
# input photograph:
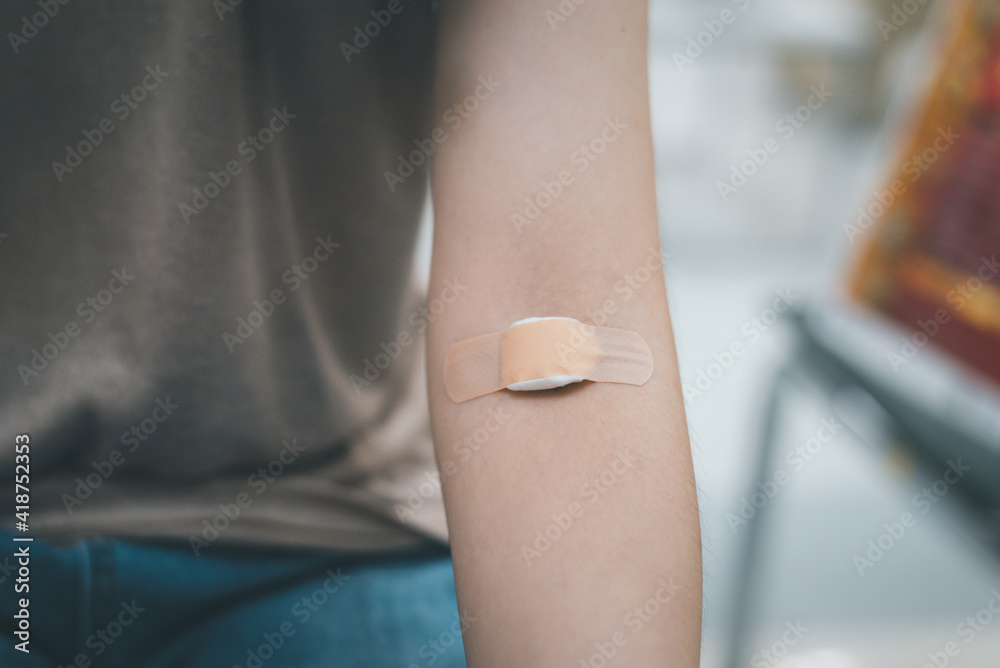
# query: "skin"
637,526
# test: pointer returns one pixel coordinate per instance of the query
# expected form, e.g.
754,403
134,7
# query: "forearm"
570,508
578,509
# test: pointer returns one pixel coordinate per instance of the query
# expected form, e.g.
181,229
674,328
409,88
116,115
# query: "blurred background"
783,233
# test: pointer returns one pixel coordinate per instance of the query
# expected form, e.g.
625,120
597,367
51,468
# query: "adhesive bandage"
542,354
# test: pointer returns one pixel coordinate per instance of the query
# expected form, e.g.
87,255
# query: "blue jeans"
109,603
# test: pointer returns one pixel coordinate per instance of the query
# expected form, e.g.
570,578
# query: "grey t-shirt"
206,271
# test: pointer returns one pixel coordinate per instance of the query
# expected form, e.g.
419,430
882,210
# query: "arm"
603,468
